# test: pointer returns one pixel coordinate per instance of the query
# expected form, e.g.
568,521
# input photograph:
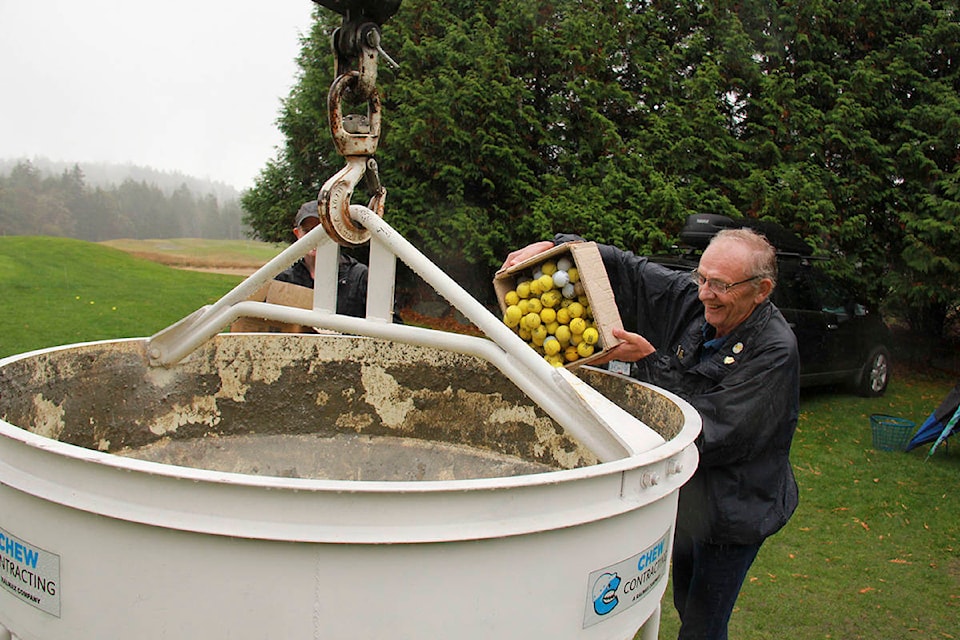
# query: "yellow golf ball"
546,282
551,346
591,335
577,326
511,317
551,298
539,334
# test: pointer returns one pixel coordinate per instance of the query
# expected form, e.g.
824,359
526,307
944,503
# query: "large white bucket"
277,486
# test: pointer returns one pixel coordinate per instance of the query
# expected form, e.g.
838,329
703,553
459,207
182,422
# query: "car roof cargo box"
701,227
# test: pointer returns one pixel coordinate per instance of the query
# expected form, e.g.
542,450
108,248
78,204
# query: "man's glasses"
717,286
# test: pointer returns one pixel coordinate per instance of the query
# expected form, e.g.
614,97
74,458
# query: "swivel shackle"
356,43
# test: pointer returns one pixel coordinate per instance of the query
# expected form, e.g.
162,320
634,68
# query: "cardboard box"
596,286
276,292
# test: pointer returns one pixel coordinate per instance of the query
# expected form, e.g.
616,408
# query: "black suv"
840,339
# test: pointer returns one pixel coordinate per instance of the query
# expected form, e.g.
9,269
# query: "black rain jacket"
747,394
351,284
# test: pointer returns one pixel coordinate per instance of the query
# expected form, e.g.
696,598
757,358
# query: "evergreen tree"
616,119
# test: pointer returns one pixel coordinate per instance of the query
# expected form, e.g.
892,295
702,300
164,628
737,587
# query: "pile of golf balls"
549,309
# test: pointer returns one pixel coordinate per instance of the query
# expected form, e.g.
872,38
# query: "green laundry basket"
890,433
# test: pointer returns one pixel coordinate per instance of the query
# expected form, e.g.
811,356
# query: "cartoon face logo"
605,593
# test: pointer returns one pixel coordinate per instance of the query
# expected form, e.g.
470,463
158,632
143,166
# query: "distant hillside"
106,202
104,175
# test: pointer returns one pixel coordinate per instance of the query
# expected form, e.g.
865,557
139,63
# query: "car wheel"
875,374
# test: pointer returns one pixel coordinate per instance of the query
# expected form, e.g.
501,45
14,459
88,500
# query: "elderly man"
714,338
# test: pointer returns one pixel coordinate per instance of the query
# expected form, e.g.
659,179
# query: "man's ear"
764,288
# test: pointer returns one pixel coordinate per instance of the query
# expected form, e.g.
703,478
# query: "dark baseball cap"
307,210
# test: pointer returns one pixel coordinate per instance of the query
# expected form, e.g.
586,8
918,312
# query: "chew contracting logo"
605,597
618,587
30,573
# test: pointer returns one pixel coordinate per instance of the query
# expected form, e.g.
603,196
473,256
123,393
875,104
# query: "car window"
802,285
833,295
795,290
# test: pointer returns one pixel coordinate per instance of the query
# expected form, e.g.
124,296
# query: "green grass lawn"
873,551
61,291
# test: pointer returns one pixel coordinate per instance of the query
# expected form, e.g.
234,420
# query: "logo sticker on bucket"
30,573
619,586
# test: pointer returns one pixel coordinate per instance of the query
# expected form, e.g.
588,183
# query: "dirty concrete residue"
48,418
385,395
201,411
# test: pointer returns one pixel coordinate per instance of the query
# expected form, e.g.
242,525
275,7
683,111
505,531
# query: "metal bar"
327,266
381,280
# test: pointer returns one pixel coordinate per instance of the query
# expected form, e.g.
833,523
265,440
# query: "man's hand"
518,256
634,347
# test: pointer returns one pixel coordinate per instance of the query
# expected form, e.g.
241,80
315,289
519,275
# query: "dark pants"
706,581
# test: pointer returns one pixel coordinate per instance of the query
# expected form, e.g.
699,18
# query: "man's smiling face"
728,261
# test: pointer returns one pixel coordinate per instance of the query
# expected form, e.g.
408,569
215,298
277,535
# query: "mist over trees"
37,202
616,119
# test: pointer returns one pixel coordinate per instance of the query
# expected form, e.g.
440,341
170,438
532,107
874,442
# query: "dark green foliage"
616,119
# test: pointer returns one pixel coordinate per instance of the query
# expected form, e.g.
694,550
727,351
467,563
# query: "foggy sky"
189,86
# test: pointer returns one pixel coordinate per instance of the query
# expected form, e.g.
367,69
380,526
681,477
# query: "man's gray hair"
763,255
